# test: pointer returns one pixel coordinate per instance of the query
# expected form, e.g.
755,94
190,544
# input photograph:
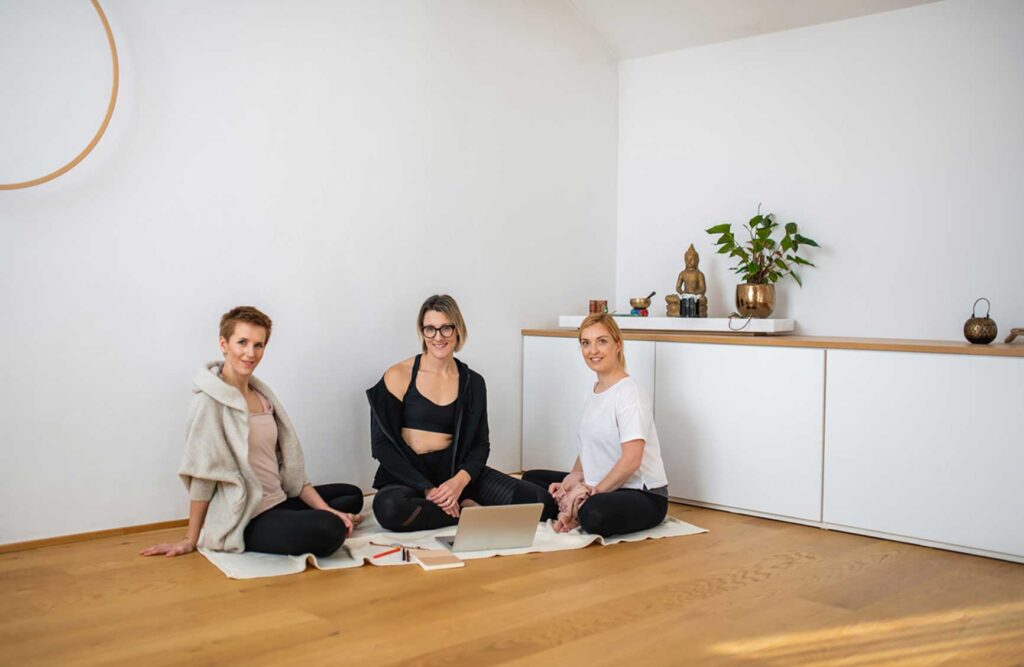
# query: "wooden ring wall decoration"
106,119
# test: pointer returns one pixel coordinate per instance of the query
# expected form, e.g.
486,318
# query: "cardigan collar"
208,381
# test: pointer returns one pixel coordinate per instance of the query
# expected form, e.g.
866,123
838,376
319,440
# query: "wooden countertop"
1015,349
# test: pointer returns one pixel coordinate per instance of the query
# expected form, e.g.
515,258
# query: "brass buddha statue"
691,284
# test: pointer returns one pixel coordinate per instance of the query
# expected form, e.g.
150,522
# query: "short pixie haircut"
609,323
247,314
445,305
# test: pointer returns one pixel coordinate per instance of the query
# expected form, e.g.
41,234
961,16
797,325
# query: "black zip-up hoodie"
399,463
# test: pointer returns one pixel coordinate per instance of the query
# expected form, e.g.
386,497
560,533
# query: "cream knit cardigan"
215,466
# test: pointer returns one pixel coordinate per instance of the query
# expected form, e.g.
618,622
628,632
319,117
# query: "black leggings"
400,508
613,513
292,527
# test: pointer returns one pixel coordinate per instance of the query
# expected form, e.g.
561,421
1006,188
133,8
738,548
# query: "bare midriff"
424,442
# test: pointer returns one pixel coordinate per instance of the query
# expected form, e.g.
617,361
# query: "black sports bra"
421,413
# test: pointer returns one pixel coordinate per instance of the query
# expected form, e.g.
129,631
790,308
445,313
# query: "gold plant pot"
755,300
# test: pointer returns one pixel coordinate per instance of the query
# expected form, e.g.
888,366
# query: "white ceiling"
635,28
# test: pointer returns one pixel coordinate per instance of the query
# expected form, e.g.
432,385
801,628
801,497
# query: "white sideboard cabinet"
917,441
741,426
926,446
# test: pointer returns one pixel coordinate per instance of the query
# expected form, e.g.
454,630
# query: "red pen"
389,551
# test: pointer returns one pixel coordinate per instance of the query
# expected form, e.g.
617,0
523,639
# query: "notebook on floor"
495,527
436,559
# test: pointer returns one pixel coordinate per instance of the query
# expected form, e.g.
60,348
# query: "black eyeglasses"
446,330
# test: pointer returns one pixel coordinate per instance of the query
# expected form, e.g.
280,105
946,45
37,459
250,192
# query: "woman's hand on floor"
170,549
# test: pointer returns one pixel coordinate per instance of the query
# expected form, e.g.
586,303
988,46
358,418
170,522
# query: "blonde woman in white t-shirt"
617,484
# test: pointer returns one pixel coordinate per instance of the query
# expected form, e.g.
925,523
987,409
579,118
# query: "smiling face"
243,350
439,346
599,349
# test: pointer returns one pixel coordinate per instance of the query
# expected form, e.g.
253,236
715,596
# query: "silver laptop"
486,528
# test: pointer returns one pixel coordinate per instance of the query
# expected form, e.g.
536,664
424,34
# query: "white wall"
333,163
895,140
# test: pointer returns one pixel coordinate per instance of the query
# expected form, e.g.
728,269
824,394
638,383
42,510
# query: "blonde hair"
608,322
445,305
246,314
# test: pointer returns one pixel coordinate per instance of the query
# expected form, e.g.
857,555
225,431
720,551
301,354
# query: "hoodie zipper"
458,424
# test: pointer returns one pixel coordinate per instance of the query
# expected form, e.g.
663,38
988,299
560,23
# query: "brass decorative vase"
755,300
981,330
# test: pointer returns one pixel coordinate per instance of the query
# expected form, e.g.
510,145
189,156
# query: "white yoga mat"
357,550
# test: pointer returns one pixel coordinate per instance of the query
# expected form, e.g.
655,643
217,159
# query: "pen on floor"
389,551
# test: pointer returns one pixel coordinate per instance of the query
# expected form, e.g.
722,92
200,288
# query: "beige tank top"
263,454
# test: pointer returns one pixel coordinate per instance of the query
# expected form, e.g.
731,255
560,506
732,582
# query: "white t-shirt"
619,414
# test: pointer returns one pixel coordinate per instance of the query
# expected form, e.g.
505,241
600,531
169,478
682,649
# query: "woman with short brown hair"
243,466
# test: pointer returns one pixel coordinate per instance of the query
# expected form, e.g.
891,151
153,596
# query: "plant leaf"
806,241
790,228
719,229
796,277
801,260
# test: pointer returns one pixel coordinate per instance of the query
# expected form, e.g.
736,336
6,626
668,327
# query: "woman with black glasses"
428,431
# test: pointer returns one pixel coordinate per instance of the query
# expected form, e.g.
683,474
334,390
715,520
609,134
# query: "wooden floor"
750,592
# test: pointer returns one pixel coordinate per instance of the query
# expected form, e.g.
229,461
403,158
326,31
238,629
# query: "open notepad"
436,559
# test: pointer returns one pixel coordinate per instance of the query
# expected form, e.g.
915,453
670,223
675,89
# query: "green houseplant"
762,260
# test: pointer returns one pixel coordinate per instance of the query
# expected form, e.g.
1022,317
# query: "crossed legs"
613,513
401,508
293,528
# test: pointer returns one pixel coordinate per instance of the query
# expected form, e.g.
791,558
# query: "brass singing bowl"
640,303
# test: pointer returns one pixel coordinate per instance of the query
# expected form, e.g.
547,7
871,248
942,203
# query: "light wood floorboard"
750,592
